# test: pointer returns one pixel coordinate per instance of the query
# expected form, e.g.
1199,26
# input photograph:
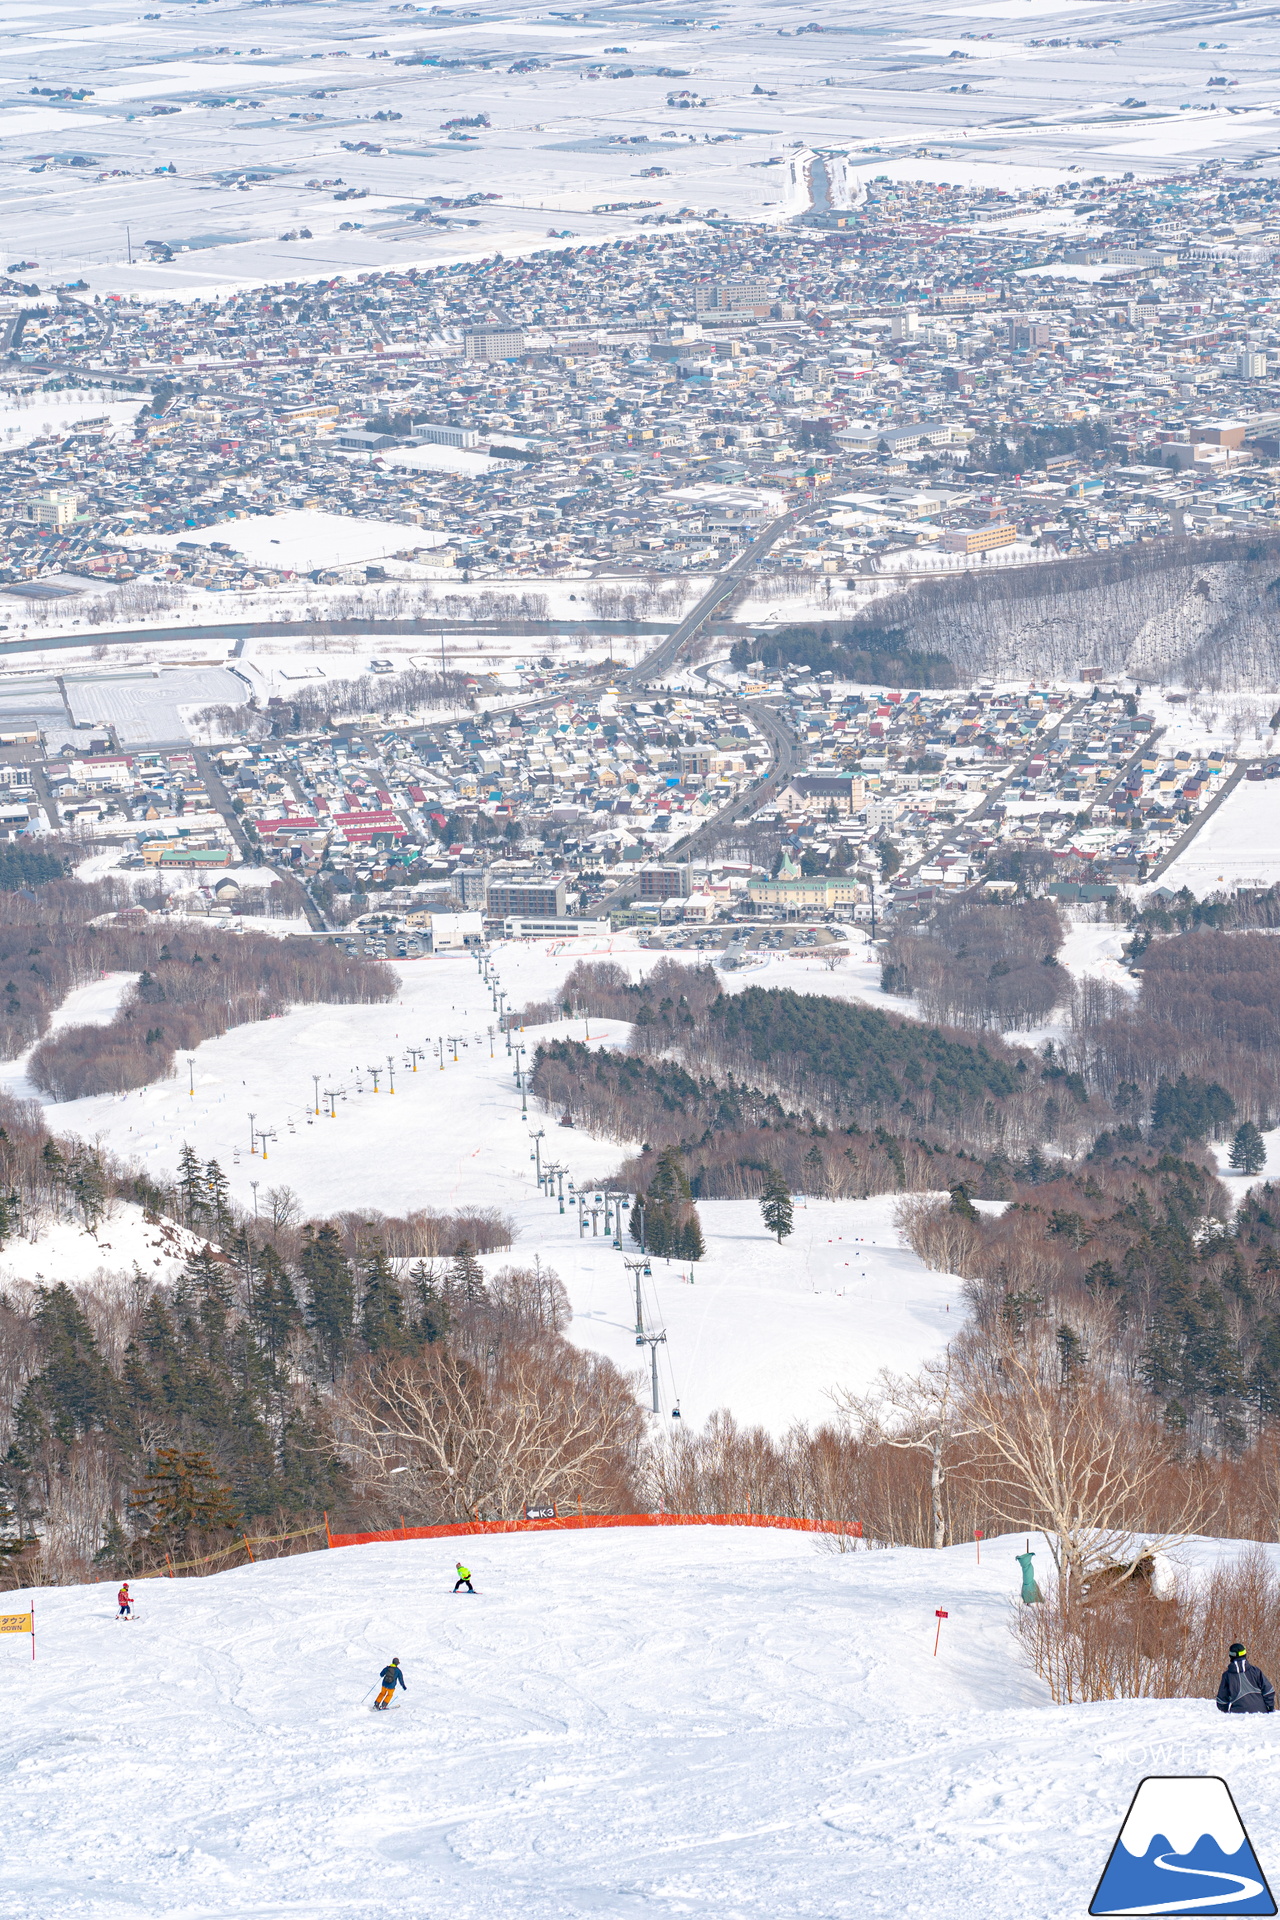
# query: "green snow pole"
1031,1594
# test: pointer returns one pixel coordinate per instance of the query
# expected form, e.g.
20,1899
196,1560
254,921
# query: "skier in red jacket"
126,1603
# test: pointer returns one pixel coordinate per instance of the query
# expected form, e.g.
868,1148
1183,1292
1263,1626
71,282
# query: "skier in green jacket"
463,1579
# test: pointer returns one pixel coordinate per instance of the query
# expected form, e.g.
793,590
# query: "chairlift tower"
640,1270
653,1341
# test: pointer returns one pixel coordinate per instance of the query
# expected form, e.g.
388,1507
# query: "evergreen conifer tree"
1248,1149
775,1204
382,1307
274,1315
331,1304
73,1393
191,1189
692,1246
961,1203
182,1497
217,1195
114,1555
432,1319
203,1298
466,1284
671,1225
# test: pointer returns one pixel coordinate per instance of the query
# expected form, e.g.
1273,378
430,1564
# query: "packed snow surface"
304,538
662,1723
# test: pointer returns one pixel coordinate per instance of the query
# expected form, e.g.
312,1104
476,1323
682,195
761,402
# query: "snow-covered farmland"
218,164
302,538
692,1722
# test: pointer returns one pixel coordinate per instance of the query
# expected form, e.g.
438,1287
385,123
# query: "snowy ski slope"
697,1723
765,1329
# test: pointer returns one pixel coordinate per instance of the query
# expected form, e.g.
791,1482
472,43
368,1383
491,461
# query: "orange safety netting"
573,1521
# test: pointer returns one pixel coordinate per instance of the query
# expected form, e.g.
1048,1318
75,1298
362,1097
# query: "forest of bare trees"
1196,611
980,965
189,988
1208,1008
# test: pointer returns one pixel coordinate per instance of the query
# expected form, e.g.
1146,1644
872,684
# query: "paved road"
216,787
303,629
720,590
786,757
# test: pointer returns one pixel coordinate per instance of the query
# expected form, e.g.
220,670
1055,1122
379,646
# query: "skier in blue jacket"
391,1677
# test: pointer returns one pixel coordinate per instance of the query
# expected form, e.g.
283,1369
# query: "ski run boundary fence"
245,1544
449,1529
572,1522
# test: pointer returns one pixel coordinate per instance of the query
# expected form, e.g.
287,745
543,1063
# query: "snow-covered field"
263,120
767,1330
303,538
1239,847
693,1723
29,417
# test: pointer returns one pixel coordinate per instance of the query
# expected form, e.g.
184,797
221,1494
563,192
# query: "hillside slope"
1193,612
765,1329
665,1723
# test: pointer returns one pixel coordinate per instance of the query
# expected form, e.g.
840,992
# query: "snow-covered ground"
27,417
1092,950
767,1330
1238,847
123,1245
302,538
678,1724
263,128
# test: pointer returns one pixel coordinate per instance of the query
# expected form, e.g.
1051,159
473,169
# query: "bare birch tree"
919,1413
548,1425
1076,1459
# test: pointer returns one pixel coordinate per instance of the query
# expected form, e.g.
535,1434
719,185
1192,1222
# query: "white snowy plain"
873,87
695,1722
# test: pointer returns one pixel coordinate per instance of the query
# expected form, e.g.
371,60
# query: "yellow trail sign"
15,1623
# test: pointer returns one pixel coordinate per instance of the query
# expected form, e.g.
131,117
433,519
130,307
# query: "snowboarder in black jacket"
1245,1688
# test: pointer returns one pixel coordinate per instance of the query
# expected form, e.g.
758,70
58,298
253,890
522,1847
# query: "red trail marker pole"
977,1535
939,1614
